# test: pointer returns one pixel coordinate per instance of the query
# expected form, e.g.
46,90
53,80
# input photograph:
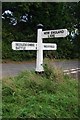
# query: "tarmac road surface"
12,69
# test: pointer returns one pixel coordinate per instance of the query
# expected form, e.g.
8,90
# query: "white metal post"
39,61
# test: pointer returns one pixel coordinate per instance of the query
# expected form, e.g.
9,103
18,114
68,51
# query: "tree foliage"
21,26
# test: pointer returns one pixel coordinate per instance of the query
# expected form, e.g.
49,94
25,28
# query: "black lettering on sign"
51,36
20,44
30,44
20,48
61,31
57,32
17,48
48,46
17,44
46,33
53,32
23,44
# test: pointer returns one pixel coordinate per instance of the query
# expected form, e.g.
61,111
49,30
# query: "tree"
21,26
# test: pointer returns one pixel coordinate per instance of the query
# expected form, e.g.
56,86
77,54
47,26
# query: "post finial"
39,26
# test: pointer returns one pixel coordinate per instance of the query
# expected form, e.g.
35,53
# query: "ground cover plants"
47,95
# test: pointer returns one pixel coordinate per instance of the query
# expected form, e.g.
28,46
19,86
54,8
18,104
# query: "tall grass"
46,95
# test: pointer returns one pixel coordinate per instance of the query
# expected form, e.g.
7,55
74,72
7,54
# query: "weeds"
31,95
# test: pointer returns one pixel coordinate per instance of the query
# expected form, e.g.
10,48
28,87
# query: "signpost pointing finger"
24,46
55,33
49,46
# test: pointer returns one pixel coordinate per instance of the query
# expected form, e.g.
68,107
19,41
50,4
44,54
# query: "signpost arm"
39,61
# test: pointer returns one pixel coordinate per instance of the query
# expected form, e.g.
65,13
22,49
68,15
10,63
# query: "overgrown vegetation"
46,95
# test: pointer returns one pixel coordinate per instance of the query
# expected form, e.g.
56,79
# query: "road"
12,69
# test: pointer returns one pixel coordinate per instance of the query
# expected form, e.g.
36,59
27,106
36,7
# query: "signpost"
40,46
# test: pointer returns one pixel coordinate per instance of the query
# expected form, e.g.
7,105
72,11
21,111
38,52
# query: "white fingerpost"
39,60
40,46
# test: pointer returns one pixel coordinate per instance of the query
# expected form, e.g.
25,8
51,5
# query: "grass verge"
46,95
